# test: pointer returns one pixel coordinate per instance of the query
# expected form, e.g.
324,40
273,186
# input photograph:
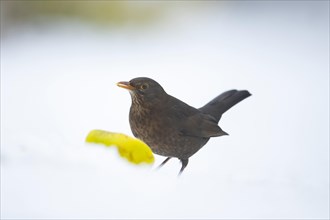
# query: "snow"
58,82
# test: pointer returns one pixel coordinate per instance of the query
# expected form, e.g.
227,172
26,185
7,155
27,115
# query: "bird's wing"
201,125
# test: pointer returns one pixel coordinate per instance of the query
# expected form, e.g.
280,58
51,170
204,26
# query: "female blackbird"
169,126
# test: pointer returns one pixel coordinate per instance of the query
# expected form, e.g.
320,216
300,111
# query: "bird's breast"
148,125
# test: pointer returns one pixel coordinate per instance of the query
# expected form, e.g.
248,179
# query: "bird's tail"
223,102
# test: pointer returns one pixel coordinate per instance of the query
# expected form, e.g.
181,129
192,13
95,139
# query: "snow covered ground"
58,82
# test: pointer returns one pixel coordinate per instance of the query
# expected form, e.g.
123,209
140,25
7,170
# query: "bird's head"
144,90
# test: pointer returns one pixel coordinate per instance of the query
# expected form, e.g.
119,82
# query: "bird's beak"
125,85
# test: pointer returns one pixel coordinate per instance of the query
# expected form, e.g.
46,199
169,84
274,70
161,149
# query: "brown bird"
169,126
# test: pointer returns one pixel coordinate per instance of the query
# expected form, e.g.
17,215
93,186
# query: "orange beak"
125,85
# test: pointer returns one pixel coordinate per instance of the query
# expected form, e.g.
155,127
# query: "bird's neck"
140,106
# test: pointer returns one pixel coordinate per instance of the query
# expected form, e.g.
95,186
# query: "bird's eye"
144,86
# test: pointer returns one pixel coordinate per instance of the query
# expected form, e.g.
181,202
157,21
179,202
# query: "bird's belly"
166,140
180,147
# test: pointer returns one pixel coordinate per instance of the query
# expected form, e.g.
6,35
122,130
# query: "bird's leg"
165,161
184,164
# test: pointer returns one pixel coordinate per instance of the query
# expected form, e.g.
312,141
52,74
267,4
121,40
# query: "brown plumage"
171,127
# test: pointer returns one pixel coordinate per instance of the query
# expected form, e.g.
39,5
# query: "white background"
58,82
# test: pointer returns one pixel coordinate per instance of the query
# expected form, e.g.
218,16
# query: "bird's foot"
184,164
183,161
165,161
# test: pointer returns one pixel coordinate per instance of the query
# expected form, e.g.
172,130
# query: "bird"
169,126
